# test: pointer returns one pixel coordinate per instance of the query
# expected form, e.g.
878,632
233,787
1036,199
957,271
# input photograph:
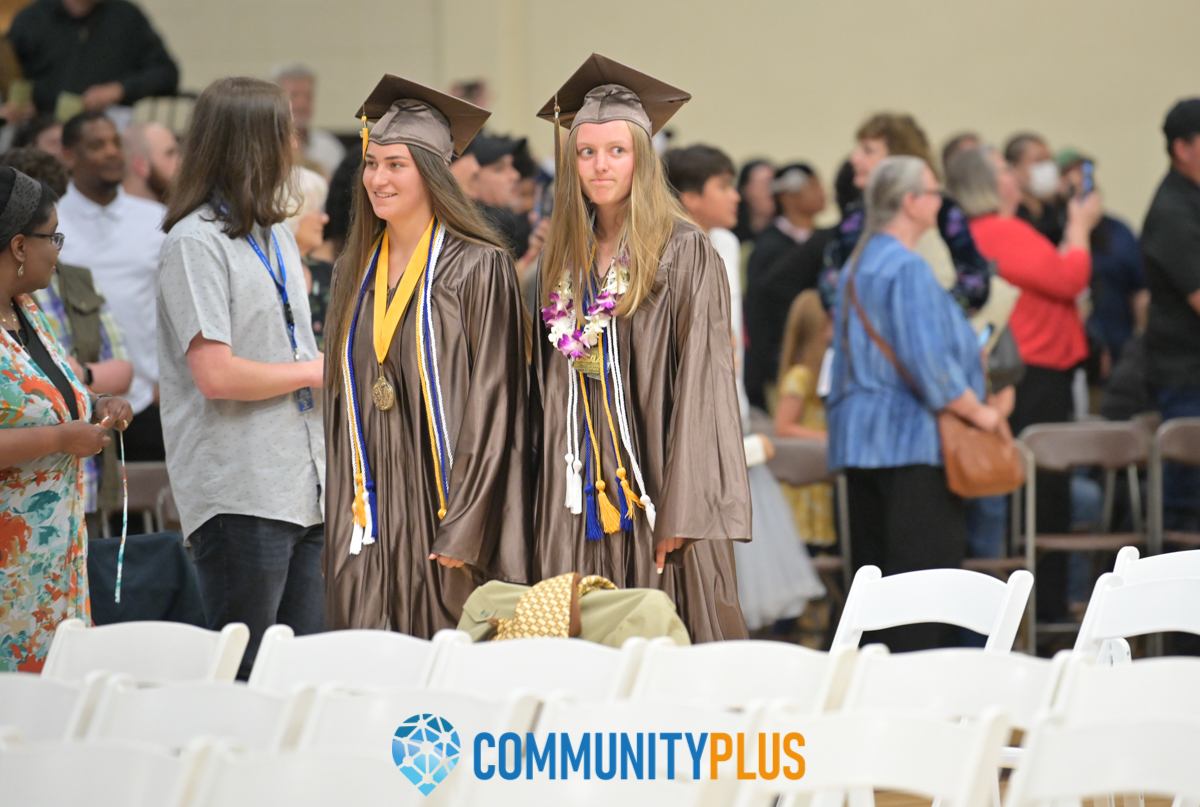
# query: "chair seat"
997,566
828,564
1104,542
1185,538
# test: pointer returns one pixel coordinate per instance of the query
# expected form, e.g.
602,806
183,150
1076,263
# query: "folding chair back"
1066,762
1102,444
861,751
541,666
364,722
174,715
147,651
1134,569
362,658
1118,610
97,774
1155,689
42,709
970,600
729,675
1178,441
954,683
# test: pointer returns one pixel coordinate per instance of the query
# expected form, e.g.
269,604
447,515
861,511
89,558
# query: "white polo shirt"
120,242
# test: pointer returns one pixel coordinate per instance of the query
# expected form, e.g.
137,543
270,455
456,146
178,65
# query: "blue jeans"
987,523
1181,483
260,572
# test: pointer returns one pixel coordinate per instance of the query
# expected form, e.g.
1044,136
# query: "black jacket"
60,53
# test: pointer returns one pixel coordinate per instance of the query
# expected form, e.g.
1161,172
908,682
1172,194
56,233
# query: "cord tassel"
610,516
628,500
595,530
651,513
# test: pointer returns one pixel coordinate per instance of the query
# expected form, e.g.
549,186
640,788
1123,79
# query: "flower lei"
559,316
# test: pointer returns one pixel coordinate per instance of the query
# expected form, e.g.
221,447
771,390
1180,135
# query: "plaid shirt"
112,346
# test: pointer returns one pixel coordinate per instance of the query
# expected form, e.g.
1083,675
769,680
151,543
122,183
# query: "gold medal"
590,365
383,394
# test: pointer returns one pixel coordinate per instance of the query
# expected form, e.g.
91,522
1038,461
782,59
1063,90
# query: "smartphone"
1089,183
985,335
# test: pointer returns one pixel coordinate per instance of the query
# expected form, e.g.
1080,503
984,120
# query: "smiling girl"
642,473
427,382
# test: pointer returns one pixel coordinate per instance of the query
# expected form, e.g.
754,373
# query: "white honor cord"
437,379
574,495
623,421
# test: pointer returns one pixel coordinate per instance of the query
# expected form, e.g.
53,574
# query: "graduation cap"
416,115
602,90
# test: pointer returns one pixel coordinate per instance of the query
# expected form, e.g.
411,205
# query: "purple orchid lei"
559,316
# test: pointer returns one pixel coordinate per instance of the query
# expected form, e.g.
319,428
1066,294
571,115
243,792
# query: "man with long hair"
239,364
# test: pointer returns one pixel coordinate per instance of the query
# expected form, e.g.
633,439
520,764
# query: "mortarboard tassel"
364,136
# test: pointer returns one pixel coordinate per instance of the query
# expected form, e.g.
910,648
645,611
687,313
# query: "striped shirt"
875,418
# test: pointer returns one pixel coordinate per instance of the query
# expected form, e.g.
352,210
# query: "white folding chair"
175,714
308,779
970,600
1119,610
113,774
578,793
1132,568
541,666
148,651
1153,689
858,752
362,658
42,709
1066,762
359,722
729,675
955,684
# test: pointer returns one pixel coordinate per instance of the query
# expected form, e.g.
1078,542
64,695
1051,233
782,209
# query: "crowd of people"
385,369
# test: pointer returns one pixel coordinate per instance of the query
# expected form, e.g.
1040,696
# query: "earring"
21,270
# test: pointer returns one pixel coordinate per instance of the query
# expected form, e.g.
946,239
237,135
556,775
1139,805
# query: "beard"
158,183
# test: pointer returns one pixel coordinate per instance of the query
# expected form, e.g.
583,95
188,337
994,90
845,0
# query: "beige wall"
769,77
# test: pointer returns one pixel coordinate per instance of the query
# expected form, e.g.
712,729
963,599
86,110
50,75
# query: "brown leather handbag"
978,463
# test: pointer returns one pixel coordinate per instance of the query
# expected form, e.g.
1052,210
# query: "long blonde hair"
651,213
451,207
805,336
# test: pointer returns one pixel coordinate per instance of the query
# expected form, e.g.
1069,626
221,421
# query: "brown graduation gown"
484,378
681,396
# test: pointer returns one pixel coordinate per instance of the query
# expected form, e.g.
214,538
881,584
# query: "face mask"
1043,179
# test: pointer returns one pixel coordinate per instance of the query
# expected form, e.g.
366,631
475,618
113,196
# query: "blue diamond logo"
426,749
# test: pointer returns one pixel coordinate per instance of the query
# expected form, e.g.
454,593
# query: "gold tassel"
364,136
629,494
360,501
610,516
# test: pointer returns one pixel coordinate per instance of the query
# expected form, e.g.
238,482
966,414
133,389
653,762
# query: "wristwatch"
87,375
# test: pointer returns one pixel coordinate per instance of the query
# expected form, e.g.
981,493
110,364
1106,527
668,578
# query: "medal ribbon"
387,317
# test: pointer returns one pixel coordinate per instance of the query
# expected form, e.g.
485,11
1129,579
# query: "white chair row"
853,752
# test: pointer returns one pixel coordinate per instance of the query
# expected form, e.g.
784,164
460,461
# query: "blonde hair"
309,190
651,213
804,336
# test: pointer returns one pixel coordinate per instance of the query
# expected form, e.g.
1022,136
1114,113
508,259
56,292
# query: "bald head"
151,157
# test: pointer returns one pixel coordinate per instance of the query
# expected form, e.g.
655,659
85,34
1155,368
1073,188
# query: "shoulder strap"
884,347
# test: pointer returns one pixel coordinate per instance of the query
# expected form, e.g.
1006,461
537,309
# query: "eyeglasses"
56,239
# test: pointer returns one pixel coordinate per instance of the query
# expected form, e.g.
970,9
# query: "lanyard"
280,285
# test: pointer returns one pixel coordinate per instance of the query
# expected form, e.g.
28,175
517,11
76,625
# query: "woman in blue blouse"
883,432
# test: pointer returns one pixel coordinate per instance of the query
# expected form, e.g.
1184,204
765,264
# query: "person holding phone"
49,422
240,372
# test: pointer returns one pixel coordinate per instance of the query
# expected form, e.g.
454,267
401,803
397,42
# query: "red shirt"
1045,322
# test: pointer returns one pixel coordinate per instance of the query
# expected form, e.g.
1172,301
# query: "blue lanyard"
280,285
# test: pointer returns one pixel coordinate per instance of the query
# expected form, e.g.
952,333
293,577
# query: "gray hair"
972,180
292,71
309,191
891,180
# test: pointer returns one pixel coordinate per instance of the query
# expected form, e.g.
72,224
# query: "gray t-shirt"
256,458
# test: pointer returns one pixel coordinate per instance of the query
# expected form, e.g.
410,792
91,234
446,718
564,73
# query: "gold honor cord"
387,317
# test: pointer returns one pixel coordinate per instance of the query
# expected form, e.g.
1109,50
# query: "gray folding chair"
1176,441
1062,447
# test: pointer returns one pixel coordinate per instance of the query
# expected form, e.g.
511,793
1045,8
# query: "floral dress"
812,505
43,540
